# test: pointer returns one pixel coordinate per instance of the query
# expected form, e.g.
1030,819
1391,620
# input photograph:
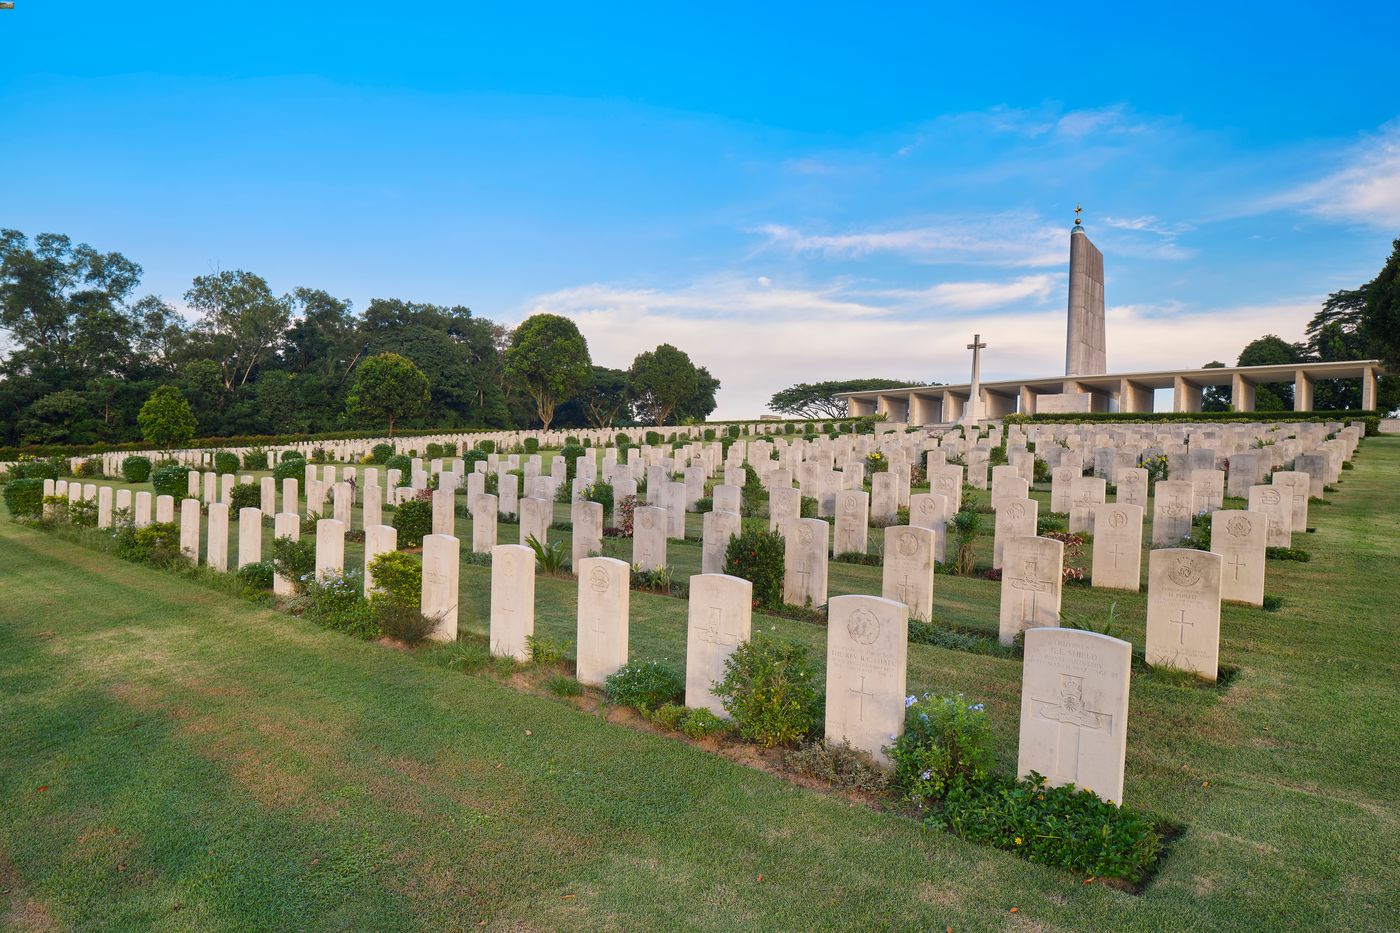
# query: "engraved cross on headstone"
713,630
1236,563
1183,625
862,693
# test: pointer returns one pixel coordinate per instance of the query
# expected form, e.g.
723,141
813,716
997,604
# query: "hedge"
1370,418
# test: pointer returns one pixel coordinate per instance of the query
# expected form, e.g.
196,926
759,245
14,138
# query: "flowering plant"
877,462
946,740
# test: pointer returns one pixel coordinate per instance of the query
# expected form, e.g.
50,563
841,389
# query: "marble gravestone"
1172,512
485,513
1017,518
1117,559
930,510
720,619
1183,611
1086,494
190,518
441,568
586,521
867,650
216,548
284,525
1074,709
1240,537
602,618
851,534
1031,581
330,548
512,600
249,536
535,517
1132,487
908,569
718,528
379,539
1275,502
649,537
804,562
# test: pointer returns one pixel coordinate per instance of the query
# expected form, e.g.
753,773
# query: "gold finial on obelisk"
1077,211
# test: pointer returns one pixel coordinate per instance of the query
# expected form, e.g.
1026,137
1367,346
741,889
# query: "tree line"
81,353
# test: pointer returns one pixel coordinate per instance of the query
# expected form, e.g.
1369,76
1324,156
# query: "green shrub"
401,463
1061,826
838,764
295,559
757,556
652,438
701,723
413,519
255,459
171,481
158,543
337,603
257,576
571,453
398,577
622,440
945,739
88,468
25,498
243,496
434,451
380,453
294,468
486,447
734,430
1287,553
401,620
545,652
532,445
964,529
292,455
769,690
225,462
669,716
136,469
563,686
709,434
602,493
83,513
644,685
51,468
552,558
449,449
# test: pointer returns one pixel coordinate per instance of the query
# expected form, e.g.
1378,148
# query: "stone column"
1302,391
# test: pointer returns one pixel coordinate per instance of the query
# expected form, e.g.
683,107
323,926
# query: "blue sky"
790,193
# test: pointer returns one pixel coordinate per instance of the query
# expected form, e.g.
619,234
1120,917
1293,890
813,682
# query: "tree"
702,401
1272,350
388,387
1380,318
1215,398
242,321
606,399
166,420
660,380
819,399
549,359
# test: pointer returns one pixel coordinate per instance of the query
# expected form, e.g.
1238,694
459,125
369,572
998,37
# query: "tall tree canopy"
81,354
661,380
388,388
548,358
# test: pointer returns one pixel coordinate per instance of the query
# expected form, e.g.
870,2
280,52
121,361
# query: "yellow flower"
1018,840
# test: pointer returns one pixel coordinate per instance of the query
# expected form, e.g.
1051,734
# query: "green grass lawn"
172,757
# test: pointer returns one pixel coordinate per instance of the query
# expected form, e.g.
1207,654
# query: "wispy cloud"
759,338
1003,240
1365,189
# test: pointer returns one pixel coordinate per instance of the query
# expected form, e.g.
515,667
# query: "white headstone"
1183,610
602,618
379,539
1240,538
1031,581
330,548
804,562
1117,560
719,527
512,600
908,569
1074,709
441,567
285,525
867,650
721,614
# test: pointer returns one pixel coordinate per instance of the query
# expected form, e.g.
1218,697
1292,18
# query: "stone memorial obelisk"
1085,353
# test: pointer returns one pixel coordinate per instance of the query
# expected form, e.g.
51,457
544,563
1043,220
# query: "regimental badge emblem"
863,627
1184,571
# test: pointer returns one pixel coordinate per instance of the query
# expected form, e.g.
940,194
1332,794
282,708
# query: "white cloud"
758,340
1364,190
975,296
1004,240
